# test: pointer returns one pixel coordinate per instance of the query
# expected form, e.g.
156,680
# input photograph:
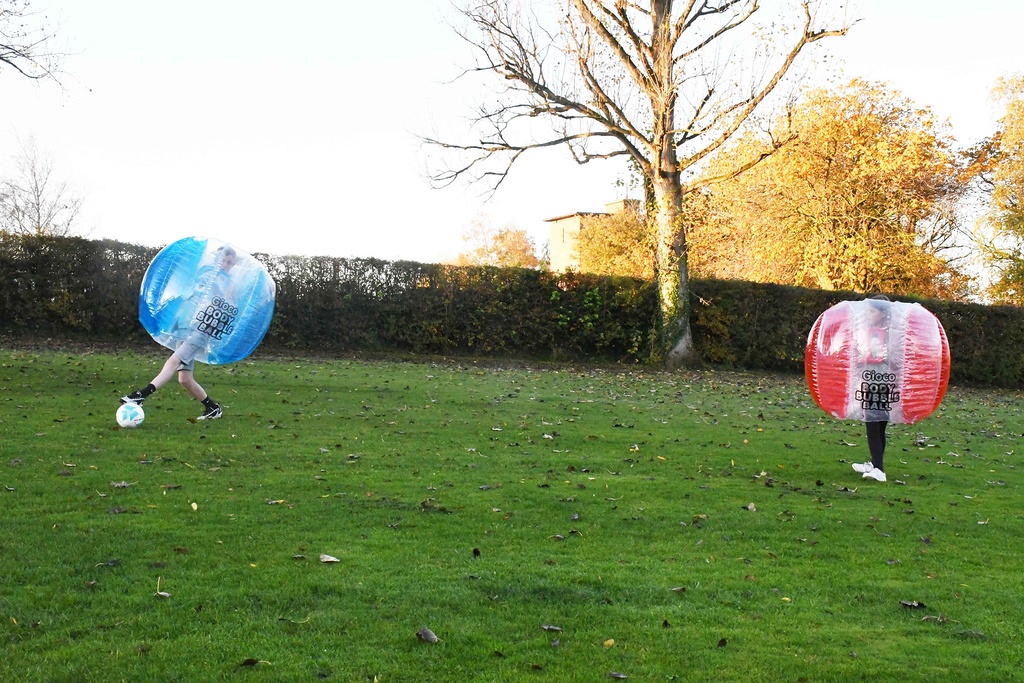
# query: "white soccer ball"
130,415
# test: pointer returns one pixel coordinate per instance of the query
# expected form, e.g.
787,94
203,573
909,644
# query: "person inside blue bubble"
199,324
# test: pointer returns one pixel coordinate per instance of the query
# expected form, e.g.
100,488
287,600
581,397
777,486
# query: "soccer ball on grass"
130,415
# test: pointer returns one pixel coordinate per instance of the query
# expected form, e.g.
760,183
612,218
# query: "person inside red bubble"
876,396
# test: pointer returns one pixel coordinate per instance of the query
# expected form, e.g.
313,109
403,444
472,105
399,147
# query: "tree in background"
1001,160
864,199
504,247
663,83
33,201
25,41
616,244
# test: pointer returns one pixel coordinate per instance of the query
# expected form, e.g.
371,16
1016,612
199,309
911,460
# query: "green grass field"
547,523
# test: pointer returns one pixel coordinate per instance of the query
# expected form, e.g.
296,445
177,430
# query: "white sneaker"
875,473
862,467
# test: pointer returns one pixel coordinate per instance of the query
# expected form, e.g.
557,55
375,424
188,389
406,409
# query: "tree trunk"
672,276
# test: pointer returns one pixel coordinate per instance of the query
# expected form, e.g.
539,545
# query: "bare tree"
34,201
26,41
663,82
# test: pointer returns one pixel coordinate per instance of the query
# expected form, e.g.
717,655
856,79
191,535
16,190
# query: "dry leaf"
195,507
426,635
610,642
549,627
328,559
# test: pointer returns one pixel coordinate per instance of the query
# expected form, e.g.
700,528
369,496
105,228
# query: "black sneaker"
212,413
135,397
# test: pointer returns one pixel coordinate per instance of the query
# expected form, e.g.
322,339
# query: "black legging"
876,443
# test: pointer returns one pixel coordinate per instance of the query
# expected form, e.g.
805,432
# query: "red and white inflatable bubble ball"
876,360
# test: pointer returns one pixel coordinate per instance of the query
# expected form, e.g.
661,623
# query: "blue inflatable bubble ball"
209,294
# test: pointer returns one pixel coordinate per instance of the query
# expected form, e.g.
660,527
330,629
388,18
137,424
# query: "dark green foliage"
764,327
365,304
71,287
88,290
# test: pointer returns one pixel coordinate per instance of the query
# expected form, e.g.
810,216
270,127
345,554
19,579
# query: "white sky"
290,128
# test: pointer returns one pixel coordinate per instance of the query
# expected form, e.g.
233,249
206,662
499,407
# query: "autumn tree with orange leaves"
489,245
1002,172
863,199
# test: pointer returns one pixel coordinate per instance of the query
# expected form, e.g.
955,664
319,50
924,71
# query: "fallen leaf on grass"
327,559
609,643
426,635
120,484
617,675
911,604
293,621
970,634
252,661
159,593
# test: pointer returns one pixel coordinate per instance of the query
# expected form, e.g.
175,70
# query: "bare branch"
25,46
740,111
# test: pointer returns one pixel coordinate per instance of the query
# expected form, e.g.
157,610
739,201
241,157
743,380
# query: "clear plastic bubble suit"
205,292
876,360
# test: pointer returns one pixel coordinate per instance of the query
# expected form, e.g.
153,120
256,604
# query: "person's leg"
876,443
186,378
166,372
170,367
211,409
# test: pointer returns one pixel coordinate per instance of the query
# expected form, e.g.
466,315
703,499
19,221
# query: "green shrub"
81,289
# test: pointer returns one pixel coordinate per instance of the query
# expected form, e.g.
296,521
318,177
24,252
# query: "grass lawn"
546,523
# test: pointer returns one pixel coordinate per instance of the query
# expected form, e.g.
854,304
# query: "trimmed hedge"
765,327
77,289
88,290
71,288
